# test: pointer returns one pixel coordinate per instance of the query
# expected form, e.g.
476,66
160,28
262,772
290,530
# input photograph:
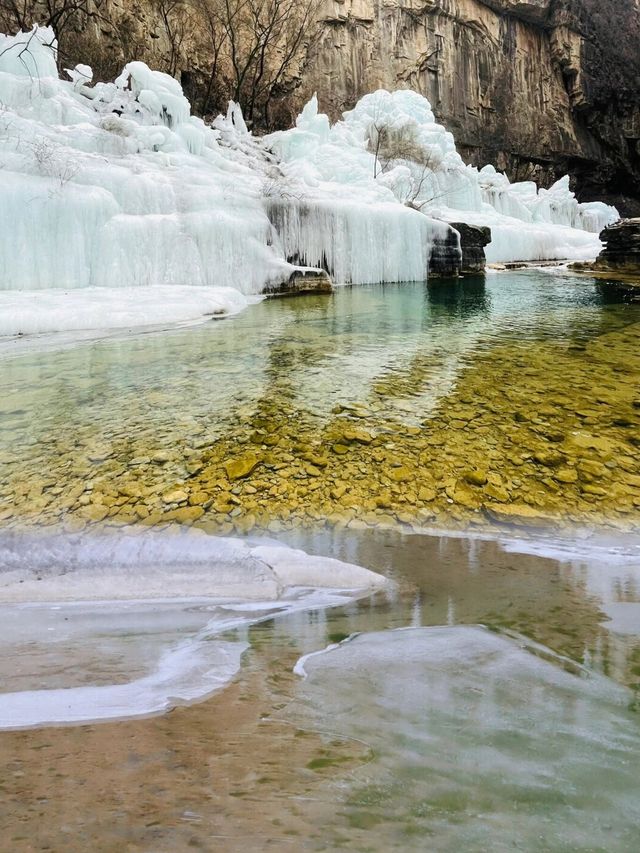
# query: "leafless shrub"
51,162
274,188
397,145
256,48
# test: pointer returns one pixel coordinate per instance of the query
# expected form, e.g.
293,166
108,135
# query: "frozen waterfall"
111,186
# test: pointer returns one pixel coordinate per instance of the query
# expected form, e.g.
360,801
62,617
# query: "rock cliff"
537,87
621,253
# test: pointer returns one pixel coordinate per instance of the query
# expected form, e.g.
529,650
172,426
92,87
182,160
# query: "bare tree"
61,15
256,46
177,19
218,34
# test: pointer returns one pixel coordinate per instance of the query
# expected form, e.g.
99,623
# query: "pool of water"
487,701
513,398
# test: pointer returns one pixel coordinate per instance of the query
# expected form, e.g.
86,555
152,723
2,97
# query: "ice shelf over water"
117,186
477,742
109,626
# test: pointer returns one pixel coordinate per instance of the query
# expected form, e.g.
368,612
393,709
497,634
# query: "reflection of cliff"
538,87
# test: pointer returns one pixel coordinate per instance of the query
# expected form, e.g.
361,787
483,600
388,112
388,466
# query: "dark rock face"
461,252
473,239
446,256
621,253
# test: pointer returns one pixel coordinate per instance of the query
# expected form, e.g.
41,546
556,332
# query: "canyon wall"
539,88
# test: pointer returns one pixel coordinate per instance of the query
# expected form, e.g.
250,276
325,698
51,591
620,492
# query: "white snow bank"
31,55
116,185
332,212
124,626
32,312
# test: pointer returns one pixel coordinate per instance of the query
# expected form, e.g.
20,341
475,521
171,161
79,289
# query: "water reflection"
346,342
579,598
459,297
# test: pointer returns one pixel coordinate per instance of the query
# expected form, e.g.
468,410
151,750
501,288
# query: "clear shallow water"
476,744
523,736
498,376
445,379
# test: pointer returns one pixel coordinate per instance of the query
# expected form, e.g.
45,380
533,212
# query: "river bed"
474,442
510,399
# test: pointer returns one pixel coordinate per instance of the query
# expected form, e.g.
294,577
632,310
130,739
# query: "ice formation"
469,734
390,145
161,604
117,185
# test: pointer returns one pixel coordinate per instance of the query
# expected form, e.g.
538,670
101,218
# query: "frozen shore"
118,206
123,626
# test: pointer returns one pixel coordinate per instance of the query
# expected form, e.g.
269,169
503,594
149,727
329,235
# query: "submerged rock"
520,515
241,467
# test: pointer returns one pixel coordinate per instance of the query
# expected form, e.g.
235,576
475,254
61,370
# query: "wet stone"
242,466
340,449
175,496
476,478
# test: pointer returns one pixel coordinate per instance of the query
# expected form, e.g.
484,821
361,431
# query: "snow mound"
32,312
117,185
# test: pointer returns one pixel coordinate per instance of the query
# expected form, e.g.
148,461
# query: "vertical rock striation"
537,87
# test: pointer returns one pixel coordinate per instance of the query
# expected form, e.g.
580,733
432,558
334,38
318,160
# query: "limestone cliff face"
538,87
